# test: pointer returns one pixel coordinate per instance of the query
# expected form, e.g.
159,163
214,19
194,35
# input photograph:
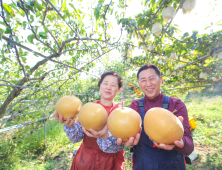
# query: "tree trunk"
16,91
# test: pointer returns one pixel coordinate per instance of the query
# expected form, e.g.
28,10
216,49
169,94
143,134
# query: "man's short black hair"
147,66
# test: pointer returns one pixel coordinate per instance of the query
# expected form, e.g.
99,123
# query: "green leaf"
45,29
145,2
53,73
72,6
5,73
32,19
36,29
206,27
63,4
24,23
8,30
38,14
23,59
1,33
8,9
39,7
53,2
30,38
8,19
29,72
27,67
12,14
43,35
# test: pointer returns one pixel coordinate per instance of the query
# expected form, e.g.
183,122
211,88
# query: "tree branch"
77,35
181,61
104,17
43,23
188,42
195,86
3,15
51,56
18,58
181,3
15,92
198,81
24,87
47,45
200,59
92,21
16,50
36,127
76,49
154,15
6,81
40,89
14,114
24,47
24,124
44,75
57,11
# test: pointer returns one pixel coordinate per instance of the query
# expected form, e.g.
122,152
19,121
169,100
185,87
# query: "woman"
99,150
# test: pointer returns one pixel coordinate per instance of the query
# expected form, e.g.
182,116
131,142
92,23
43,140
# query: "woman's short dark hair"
120,81
147,66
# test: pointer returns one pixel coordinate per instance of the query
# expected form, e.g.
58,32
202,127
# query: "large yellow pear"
68,106
124,123
162,126
92,116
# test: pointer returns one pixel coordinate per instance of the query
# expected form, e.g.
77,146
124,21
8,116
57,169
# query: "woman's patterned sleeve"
75,133
109,144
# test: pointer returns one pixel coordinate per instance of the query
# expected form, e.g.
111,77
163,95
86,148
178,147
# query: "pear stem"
175,111
71,94
122,104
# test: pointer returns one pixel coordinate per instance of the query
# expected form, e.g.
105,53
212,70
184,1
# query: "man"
147,154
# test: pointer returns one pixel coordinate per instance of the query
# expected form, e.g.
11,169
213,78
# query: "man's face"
150,83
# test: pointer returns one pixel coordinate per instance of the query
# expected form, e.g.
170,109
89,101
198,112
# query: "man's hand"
131,141
103,134
69,122
178,143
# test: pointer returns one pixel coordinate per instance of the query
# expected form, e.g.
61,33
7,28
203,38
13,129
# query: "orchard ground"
56,151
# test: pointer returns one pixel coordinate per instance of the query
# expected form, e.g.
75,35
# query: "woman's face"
109,87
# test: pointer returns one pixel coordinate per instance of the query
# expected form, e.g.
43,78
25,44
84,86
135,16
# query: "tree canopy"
68,38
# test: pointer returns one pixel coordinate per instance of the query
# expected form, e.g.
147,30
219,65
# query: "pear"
168,13
157,28
189,5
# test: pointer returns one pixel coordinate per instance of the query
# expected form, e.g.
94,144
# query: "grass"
205,108
37,153
56,151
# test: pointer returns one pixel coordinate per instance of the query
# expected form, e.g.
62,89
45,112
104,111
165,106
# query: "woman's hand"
131,141
178,143
69,122
103,134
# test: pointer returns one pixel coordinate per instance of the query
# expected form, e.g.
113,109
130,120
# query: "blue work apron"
146,157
